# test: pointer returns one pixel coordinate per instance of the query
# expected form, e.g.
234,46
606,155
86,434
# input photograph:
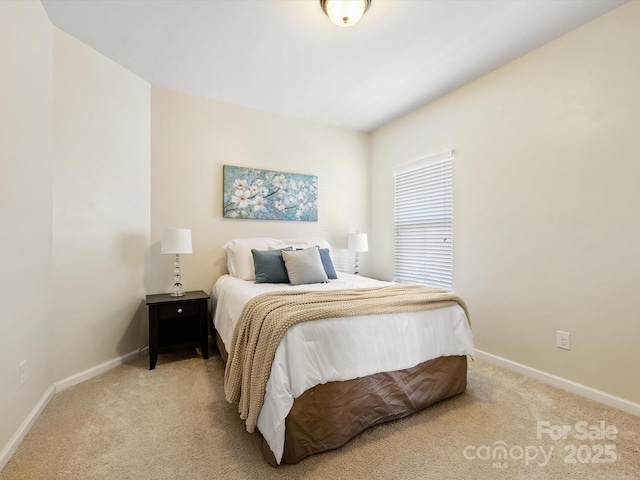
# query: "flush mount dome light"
345,12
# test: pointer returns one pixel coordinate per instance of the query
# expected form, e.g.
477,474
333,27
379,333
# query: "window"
424,221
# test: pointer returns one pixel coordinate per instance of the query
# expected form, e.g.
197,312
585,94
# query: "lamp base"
177,279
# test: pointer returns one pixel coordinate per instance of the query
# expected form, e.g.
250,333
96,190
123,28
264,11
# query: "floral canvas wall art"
252,193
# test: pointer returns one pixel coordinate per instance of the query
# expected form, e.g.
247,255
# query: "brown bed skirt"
327,416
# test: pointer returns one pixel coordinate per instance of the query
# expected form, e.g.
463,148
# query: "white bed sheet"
337,349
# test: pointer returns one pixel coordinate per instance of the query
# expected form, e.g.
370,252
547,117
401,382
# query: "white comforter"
336,349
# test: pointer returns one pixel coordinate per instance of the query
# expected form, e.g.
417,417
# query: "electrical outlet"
563,340
22,371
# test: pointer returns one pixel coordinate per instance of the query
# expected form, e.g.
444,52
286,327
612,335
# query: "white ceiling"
286,56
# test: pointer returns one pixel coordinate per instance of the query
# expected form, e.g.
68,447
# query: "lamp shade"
358,242
176,240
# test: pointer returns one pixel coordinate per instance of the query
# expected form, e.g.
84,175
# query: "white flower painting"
251,193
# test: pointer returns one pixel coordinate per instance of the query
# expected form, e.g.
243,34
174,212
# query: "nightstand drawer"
177,311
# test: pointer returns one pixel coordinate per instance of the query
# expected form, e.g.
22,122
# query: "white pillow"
239,258
304,266
306,242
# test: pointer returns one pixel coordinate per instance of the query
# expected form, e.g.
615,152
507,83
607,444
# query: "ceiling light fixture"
345,12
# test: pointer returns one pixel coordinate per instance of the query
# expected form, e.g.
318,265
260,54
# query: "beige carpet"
173,423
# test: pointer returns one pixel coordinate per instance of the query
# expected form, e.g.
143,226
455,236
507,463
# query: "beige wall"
75,156
101,210
25,210
546,201
192,138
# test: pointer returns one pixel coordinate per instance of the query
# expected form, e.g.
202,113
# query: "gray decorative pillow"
304,266
269,266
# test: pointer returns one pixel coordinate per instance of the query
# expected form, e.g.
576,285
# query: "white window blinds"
424,222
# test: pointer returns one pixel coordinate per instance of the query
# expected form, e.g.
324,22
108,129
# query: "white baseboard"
94,371
574,387
17,438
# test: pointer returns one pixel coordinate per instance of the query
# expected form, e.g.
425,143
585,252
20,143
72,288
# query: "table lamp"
176,241
358,243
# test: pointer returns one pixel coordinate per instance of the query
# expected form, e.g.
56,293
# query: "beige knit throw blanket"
266,318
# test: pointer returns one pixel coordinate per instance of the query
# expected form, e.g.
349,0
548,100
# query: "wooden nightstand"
177,322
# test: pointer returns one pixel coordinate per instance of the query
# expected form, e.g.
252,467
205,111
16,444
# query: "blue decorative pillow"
269,266
328,264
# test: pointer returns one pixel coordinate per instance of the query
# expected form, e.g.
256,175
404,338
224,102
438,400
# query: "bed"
332,378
